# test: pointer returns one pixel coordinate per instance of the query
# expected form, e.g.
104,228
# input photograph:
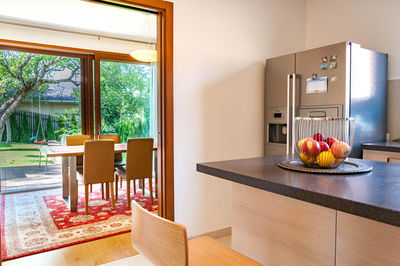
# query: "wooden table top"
61,151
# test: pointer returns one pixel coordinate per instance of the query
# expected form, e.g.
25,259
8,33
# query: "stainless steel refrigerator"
340,80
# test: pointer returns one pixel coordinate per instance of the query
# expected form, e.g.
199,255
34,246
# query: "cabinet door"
382,156
365,242
278,230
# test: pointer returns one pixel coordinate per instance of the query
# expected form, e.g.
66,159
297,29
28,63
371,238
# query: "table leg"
65,189
73,185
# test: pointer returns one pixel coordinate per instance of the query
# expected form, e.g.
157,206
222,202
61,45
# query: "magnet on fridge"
324,66
333,79
332,65
314,76
324,59
333,58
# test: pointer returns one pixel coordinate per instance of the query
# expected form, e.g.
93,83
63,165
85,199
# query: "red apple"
311,148
340,149
324,146
300,142
330,141
319,137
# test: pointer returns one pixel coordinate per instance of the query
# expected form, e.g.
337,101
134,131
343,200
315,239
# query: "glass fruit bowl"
323,142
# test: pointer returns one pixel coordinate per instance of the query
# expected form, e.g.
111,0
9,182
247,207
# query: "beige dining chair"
98,166
162,242
117,139
76,140
138,165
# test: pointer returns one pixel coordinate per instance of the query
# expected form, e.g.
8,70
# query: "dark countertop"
382,146
374,195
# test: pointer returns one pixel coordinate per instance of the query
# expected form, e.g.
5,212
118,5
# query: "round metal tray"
347,167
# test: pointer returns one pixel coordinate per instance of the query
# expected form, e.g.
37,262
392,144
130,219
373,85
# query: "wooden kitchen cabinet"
365,242
381,156
278,230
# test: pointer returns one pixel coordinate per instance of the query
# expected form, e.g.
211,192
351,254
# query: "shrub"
14,128
50,129
25,131
38,130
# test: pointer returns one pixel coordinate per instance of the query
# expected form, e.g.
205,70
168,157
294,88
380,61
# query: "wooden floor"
23,178
90,253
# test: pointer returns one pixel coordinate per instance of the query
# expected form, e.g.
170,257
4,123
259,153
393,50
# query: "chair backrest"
98,161
115,137
161,241
139,158
76,140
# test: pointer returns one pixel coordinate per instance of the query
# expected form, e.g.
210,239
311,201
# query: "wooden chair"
138,165
98,166
162,242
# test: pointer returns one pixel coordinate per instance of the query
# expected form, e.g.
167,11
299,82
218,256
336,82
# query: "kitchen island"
283,217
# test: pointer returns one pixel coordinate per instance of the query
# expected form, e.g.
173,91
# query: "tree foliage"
125,99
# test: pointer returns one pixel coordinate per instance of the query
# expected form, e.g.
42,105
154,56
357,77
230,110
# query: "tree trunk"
8,130
1,134
9,106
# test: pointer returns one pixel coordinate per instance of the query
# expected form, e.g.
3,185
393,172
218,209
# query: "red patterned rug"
39,221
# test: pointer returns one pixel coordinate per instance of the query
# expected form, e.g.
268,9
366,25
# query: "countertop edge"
372,212
379,147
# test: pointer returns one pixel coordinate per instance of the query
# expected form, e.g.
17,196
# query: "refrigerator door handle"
293,110
288,132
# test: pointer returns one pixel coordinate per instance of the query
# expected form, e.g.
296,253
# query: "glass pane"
40,101
128,100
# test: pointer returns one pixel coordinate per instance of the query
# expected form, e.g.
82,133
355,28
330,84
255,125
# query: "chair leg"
143,185
128,191
111,186
120,183
91,188
134,186
151,190
116,186
102,190
86,199
107,192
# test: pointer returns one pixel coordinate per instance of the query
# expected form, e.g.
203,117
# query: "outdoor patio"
22,178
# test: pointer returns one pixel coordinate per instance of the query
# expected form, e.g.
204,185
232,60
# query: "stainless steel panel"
274,149
368,96
309,63
321,111
276,72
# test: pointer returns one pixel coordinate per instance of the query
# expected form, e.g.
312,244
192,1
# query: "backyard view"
40,102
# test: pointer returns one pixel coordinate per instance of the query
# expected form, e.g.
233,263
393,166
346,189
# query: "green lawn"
19,154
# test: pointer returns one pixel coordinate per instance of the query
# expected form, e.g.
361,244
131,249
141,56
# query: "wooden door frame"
164,11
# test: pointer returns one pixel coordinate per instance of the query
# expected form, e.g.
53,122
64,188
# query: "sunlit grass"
20,154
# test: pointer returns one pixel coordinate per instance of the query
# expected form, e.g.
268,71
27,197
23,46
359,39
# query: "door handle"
293,109
288,114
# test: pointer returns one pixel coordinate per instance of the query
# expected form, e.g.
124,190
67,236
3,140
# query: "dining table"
69,167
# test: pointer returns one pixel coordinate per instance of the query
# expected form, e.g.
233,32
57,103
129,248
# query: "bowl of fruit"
323,142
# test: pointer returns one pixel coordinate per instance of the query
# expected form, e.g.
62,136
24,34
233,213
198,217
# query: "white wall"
372,23
219,52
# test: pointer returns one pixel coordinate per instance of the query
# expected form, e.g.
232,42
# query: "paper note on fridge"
317,85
